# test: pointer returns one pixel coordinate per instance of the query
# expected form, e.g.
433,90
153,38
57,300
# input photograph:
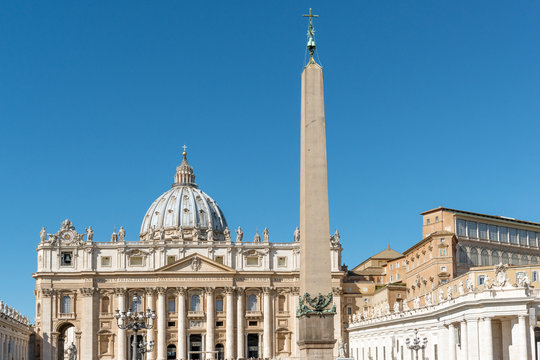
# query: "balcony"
253,314
195,315
66,316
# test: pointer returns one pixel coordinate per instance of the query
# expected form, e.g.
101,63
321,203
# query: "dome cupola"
184,213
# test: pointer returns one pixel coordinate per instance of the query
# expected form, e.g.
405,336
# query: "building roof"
496,217
387,254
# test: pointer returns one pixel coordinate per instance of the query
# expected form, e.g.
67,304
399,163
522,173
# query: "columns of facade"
240,309
506,332
268,315
181,347
472,338
150,332
522,337
161,325
46,321
486,345
87,343
229,324
337,319
121,343
451,342
464,340
210,322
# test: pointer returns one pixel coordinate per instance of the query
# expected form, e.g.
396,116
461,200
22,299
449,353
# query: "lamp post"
417,343
133,320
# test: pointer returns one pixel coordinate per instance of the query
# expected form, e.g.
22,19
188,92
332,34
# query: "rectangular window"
397,276
171,305
282,261
171,259
397,265
171,323
135,261
443,268
481,279
461,227
391,267
493,232
398,295
513,235
391,278
428,221
472,229
503,234
105,261
219,305
252,323
532,238
482,231
252,261
219,323
436,219
522,237
535,276
443,252
219,259
66,258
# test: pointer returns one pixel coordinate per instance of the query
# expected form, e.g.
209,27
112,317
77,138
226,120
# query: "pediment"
196,263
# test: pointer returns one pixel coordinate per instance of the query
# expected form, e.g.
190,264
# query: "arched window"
462,255
474,256
136,304
484,257
505,259
171,352
66,305
38,311
524,260
252,302
281,303
494,258
515,259
195,302
105,305
534,260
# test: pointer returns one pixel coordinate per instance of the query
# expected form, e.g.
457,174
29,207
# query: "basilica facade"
215,294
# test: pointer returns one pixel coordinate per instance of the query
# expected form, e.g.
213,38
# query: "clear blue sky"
428,103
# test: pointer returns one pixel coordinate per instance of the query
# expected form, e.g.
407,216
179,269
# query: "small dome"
183,210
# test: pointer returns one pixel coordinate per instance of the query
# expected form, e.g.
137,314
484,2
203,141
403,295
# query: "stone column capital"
181,290
209,290
120,291
295,290
229,290
47,292
337,291
149,291
87,291
267,290
161,290
240,290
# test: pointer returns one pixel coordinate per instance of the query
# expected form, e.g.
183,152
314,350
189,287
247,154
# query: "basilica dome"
184,212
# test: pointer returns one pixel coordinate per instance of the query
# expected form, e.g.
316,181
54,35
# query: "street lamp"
133,320
417,343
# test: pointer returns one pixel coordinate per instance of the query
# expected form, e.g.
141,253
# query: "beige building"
214,293
16,335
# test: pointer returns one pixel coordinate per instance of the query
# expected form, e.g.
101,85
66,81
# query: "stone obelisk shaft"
315,275
316,332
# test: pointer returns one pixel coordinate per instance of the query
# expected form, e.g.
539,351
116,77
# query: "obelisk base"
316,337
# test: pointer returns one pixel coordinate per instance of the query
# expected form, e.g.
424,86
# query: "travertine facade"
16,334
211,291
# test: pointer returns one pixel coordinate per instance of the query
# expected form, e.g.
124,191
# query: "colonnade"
13,347
234,326
476,338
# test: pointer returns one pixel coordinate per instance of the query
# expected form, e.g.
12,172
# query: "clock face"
67,236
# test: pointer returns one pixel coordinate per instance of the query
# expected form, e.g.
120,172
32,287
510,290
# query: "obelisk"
315,309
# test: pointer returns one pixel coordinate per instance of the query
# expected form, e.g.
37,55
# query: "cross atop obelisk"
311,32
315,308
